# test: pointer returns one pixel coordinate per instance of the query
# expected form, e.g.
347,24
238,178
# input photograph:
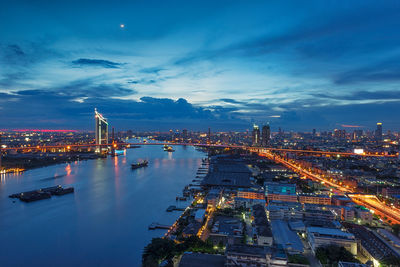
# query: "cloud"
362,95
386,71
152,70
60,109
97,63
231,101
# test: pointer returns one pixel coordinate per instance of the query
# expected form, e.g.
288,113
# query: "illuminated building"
101,131
378,132
256,135
339,134
320,237
314,199
265,135
250,194
280,192
357,134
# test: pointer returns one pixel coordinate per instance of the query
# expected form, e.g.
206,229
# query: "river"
105,222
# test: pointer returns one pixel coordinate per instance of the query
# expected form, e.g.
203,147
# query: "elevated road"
387,213
253,149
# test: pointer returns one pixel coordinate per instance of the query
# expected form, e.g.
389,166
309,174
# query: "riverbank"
29,161
105,222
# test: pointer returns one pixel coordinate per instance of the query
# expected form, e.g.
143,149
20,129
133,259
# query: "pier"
155,226
174,208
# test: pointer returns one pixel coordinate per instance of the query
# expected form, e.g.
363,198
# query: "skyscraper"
256,135
101,131
378,132
265,135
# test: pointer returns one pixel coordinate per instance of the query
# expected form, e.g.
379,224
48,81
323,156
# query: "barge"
138,165
43,193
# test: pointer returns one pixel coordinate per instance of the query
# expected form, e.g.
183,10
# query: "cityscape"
176,134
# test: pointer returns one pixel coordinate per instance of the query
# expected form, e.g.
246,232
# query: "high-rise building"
357,134
339,134
256,135
1,152
378,132
101,131
265,135
184,134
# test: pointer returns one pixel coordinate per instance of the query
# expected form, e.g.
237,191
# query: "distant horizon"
223,64
273,130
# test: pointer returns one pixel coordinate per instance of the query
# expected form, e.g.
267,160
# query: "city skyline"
199,65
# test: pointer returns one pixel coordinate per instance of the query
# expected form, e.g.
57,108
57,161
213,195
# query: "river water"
105,222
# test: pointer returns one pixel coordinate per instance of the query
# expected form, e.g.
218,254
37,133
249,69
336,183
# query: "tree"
159,249
332,254
390,261
396,229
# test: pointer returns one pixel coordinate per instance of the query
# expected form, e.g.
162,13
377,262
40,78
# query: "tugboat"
139,164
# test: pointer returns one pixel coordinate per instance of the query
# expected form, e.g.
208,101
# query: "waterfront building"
213,198
191,229
101,131
199,215
226,230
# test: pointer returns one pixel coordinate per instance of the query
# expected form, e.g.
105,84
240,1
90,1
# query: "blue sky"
194,64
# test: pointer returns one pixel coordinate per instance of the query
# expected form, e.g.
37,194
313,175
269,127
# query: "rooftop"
330,232
259,251
199,260
227,179
286,237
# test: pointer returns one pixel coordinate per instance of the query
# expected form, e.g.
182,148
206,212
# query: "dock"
155,226
174,208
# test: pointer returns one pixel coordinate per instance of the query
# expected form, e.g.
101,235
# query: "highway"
369,201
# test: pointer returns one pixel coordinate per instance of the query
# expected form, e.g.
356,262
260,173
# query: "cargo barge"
43,193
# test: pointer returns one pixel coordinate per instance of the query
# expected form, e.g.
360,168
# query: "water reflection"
105,221
68,170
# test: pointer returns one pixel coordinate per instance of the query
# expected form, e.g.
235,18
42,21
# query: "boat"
165,147
170,149
140,164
